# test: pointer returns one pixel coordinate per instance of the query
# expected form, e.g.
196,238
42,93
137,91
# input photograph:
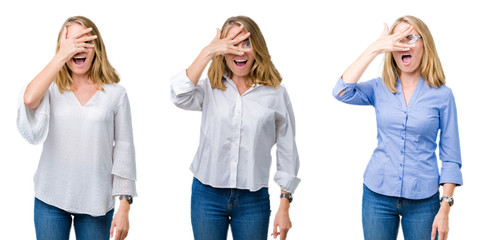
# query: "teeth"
240,61
79,57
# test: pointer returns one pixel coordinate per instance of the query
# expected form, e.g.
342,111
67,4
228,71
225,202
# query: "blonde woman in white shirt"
245,112
75,107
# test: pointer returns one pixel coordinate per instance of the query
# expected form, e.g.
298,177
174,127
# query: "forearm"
447,191
198,66
284,203
385,43
124,206
354,72
39,85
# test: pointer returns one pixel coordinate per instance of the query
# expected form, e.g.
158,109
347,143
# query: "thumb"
218,34
64,33
386,29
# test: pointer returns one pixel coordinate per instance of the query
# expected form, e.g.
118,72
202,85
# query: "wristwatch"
127,197
289,196
450,200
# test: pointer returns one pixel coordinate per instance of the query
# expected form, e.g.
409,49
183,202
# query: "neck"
80,80
409,78
241,80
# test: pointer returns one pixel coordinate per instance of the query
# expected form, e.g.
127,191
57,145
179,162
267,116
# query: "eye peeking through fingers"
244,44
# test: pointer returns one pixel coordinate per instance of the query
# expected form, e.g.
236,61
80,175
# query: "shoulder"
114,89
281,93
443,91
376,82
279,90
115,92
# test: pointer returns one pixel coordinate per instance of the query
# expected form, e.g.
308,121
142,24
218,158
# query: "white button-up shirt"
238,132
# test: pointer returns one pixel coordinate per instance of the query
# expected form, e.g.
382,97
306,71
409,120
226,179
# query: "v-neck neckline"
412,100
89,100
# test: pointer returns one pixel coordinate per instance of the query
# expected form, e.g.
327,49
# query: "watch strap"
126,197
289,196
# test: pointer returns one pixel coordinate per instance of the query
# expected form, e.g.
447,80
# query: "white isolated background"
311,44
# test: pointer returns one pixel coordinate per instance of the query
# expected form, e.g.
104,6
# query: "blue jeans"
381,216
52,223
214,209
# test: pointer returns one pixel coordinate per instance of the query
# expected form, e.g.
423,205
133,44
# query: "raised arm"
187,91
385,43
68,48
215,48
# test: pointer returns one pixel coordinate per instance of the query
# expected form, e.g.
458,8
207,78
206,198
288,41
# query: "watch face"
450,200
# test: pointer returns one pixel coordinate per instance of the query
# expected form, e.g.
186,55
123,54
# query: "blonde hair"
263,70
101,72
430,67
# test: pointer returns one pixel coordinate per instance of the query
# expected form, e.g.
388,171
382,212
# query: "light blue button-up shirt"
404,163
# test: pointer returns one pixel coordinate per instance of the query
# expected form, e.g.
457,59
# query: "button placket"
403,150
235,145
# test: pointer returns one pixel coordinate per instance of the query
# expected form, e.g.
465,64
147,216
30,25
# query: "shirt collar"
226,78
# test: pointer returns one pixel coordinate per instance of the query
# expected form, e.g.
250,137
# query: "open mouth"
406,58
79,60
240,63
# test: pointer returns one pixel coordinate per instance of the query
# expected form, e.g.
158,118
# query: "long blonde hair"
263,70
101,72
430,67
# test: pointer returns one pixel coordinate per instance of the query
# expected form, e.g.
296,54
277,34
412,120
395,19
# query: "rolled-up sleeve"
287,159
124,164
355,93
33,124
185,94
449,147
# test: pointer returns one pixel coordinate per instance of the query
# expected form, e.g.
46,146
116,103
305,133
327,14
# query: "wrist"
124,205
372,52
284,207
59,59
447,199
207,54
445,206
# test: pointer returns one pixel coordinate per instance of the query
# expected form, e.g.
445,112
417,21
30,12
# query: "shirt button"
399,178
403,125
400,164
402,151
402,138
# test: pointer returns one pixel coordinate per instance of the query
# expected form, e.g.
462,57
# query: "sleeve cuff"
124,164
340,86
33,125
286,181
451,173
123,186
181,84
